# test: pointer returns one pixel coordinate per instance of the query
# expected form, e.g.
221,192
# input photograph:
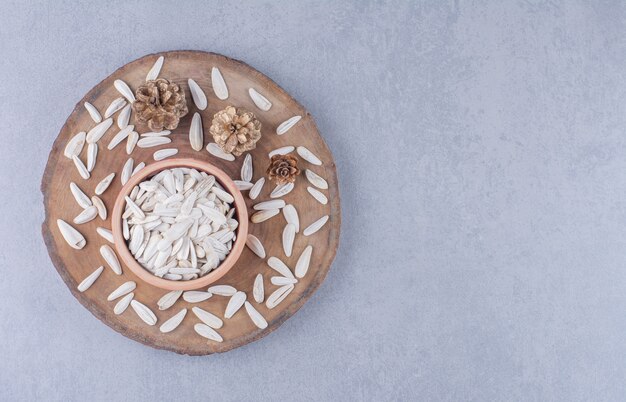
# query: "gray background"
481,150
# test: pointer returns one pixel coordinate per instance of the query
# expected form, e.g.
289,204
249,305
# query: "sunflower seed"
93,112
243,185
308,156
194,296
144,312
289,235
287,124
125,229
280,267
302,266
282,281
169,299
72,236
222,290
259,100
88,214
255,245
123,304
164,153
173,322
133,139
219,85
104,184
111,259
155,70
134,208
196,137
80,166
234,304
316,179
246,168
163,133
89,280
262,216
136,239
207,332
92,155
102,210
75,145
282,190
127,171
215,150
98,131
106,234
256,188
255,316
222,195
209,319
257,289
138,168
120,136
321,198
315,226
81,198
272,204
123,89
199,98
116,105
124,289
124,117
282,151
278,296
148,142
291,216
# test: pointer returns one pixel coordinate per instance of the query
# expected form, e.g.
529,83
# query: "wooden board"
74,265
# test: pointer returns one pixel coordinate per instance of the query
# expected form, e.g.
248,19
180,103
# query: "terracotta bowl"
145,275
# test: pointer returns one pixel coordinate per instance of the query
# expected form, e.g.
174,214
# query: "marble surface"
481,149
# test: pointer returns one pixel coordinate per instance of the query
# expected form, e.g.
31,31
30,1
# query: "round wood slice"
74,265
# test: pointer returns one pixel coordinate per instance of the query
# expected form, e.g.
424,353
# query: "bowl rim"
129,260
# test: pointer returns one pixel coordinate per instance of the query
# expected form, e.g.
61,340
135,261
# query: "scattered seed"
278,296
255,245
256,188
219,85
75,145
169,299
209,319
287,124
234,304
321,198
315,226
116,105
89,280
123,304
173,322
258,291
144,312
123,89
207,332
215,150
259,100
104,184
282,151
155,70
255,316
308,156
93,112
111,259
302,266
98,131
199,98
124,289
164,153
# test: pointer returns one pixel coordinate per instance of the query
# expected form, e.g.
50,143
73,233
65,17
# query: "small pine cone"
283,169
235,130
160,103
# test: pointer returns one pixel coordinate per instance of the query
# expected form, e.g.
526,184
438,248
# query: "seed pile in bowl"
179,224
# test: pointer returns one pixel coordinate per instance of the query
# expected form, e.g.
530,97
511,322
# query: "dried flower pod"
235,130
283,169
160,103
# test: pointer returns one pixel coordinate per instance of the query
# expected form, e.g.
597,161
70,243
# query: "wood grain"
74,265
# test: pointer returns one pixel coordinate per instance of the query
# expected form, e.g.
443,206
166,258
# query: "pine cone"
235,130
160,103
283,169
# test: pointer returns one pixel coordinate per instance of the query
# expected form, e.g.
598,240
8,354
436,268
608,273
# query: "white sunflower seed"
291,216
302,266
111,259
222,195
278,296
106,234
209,319
281,190
133,139
289,235
75,145
104,184
315,226
102,209
132,206
80,166
246,168
89,280
124,289
258,291
262,216
255,245
88,214
120,136
282,281
169,299
280,267
127,171
222,290
234,304
163,133
215,150
195,296
123,304
138,168
199,98
308,156
72,236
243,185
287,124
219,85
173,322
155,70
137,235
259,100
123,89
116,105
81,198
125,229
316,179
98,131
196,136
272,204
124,117
207,332
256,188
93,112
148,142
282,150
92,155
321,198
164,153
255,316
144,312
